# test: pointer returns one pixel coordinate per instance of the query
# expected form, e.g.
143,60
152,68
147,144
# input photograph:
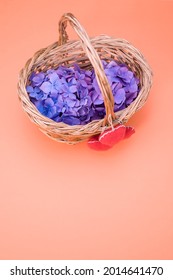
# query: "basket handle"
94,59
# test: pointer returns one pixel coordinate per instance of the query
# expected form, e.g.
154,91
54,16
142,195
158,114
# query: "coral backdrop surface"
70,202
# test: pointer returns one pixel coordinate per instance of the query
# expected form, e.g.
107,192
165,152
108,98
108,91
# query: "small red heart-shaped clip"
112,136
95,144
129,131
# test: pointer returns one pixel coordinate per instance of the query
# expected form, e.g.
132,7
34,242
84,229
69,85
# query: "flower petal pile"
72,95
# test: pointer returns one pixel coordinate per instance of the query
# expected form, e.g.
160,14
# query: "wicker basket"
87,52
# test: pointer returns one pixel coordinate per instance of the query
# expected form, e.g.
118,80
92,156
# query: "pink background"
69,202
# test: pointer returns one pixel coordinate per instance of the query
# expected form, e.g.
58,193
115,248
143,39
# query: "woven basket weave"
87,52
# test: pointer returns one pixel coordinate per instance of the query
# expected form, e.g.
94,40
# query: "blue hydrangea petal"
73,89
104,63
49,102
57,119
94,96
120,96
116,86
98,101
111,64
46,87
130,97
39,96
72,96
88,73
33,74
40,106
83,93
63,109
53,110
29,89
70,102
53,77
54,96
83,111
83,83
38,79
100,108
70,120
119,107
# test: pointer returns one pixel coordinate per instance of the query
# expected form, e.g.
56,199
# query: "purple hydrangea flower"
46,107
35,92
37,78
120,96
72,95
54,85
71,120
